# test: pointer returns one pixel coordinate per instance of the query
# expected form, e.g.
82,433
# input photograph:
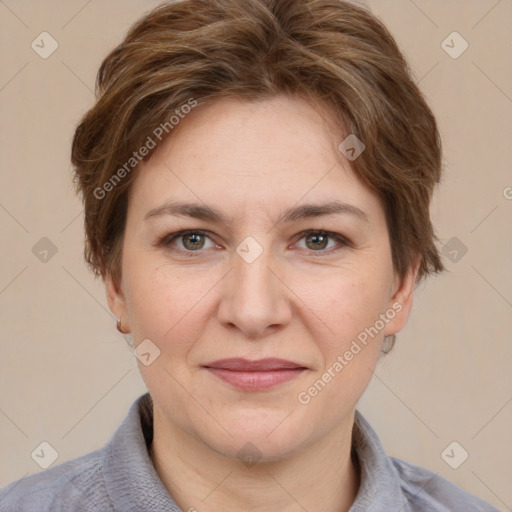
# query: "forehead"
250,155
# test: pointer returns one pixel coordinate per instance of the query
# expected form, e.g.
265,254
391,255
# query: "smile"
256,374
255,380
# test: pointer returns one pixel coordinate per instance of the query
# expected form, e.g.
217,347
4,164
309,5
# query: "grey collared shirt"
121,477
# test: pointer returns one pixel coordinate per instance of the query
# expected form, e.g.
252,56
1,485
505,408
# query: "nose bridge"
254,297
252,278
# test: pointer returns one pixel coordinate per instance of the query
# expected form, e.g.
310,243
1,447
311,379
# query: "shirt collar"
134,485
380,484
130,477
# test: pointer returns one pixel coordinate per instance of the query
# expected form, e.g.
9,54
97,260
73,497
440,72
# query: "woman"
256,177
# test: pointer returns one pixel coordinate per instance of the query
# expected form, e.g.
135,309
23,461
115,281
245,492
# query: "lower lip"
256,381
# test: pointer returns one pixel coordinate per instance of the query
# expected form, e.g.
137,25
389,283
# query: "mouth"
255,375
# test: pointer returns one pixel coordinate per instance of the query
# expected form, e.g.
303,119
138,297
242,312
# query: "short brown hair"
333,52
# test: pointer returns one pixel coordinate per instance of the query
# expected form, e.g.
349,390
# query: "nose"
255,300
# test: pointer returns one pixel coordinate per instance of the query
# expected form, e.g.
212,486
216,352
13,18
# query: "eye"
192,240
318,240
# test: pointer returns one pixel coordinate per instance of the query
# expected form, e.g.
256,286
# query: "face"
259,283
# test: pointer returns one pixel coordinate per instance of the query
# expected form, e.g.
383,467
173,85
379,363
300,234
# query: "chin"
267,439
250,450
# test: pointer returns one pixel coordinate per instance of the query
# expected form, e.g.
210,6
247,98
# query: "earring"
389,343
119,327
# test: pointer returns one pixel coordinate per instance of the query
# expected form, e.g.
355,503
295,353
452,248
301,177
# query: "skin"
252,161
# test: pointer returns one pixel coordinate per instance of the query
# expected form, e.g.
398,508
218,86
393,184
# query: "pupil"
322,238
191,237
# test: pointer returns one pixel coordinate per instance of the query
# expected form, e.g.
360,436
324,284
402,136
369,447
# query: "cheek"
167,307
350,306
342,306
172,309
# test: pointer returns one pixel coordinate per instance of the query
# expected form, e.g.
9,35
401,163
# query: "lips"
256,375
259,365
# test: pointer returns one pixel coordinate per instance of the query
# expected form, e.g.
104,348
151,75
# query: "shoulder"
426,491
77,484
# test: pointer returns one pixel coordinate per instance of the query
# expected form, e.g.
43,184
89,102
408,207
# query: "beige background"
67,376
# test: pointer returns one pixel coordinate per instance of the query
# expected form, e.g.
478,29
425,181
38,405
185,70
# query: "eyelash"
167,239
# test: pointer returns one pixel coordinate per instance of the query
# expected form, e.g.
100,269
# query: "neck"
320,477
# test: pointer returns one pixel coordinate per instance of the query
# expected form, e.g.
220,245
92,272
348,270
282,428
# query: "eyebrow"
294,214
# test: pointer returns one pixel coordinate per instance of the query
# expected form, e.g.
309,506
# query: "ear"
116,299
401,298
